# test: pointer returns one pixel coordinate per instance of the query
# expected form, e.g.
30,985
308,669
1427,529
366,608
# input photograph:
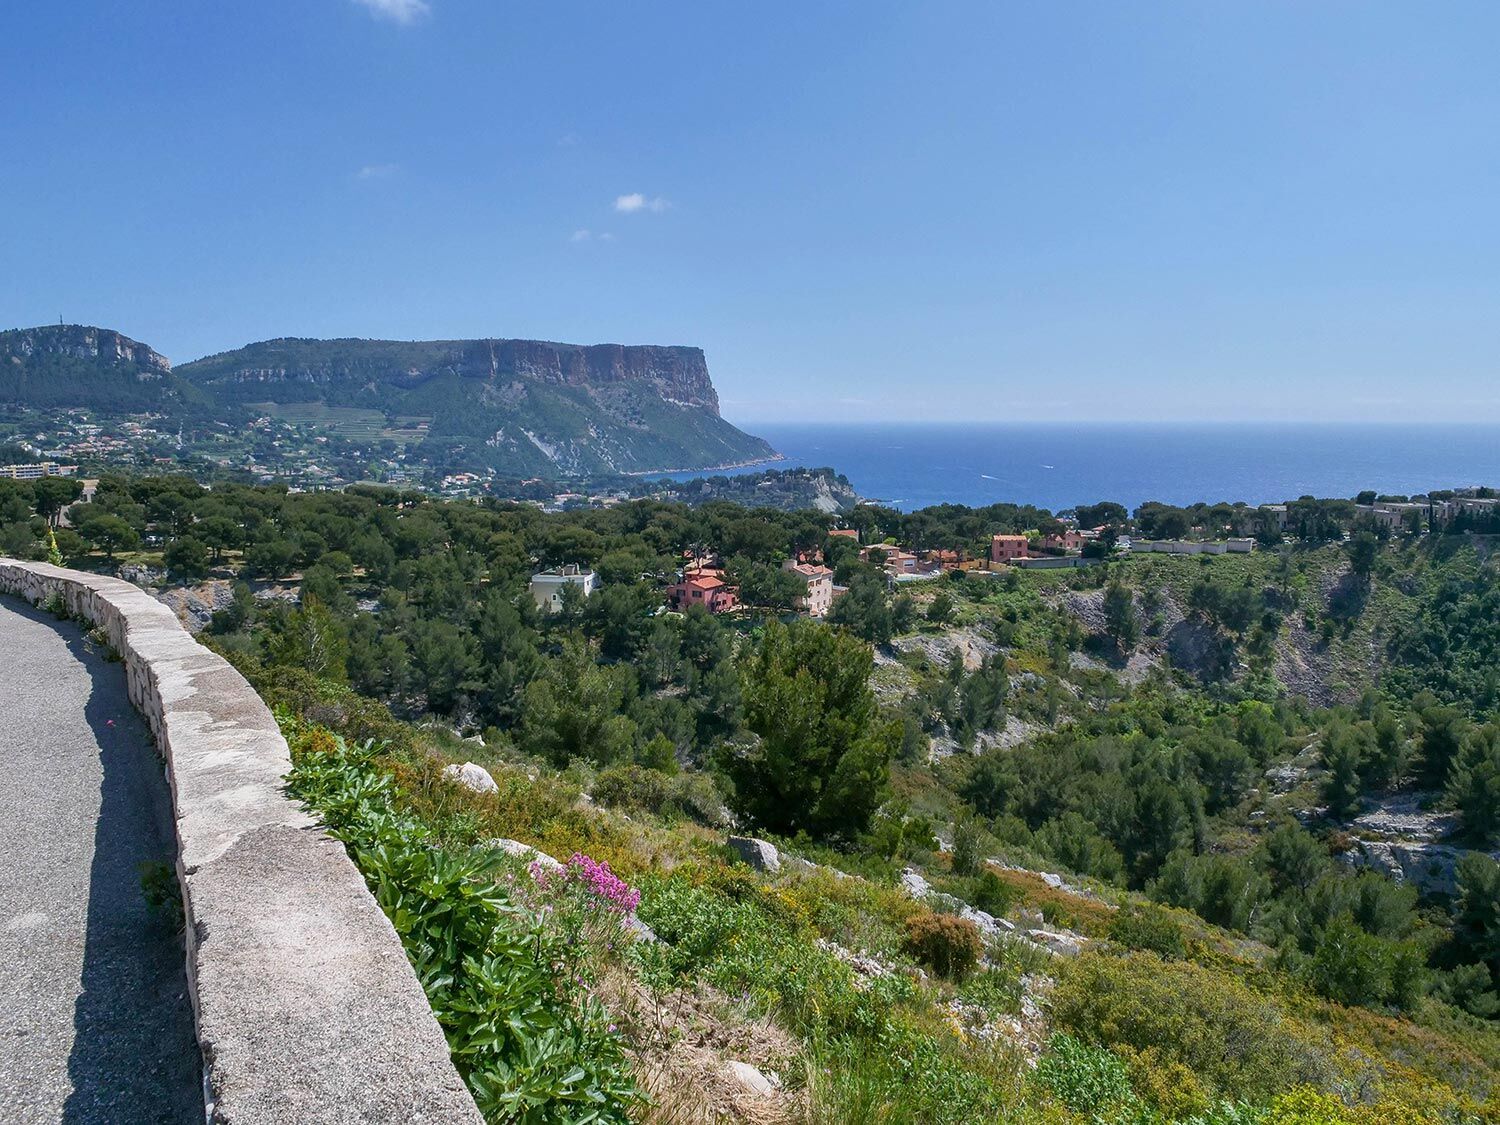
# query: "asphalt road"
95,1021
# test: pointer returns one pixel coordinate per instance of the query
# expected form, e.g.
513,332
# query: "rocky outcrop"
1402,836
757,853
752,1079
679,374
1431,868
472,777
1055,941
195,606
94,345
526,852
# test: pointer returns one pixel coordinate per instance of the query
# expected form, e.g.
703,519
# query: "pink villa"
1069,540
819,597
704,587
1004,548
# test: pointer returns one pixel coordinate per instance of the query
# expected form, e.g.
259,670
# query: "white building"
1392,515
1276,513
547,587
37,470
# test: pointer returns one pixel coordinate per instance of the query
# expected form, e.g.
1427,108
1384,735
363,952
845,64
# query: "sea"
1056,466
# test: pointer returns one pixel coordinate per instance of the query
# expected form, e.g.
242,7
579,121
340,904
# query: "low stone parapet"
306,1007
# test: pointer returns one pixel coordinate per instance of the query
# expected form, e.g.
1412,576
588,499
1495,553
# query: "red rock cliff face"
79,342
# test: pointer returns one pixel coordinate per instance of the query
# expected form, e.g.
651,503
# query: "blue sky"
872,210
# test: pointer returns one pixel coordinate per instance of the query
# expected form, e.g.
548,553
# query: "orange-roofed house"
1004,548
706,588
844,533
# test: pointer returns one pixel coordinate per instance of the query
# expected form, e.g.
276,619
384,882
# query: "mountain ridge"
675,369
73,364
514,406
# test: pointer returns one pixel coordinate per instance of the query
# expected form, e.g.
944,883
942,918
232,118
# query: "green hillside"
71,365
1162,841
518,408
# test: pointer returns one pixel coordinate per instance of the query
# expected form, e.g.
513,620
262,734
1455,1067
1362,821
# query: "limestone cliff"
64,365
290,369
99,346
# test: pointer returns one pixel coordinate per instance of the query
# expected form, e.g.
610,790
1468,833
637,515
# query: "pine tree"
1474,783
1341,758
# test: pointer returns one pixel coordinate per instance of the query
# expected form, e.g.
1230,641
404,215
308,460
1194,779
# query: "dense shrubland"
1123,725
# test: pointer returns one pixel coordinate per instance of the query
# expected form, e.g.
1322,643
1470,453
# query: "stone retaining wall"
306,1007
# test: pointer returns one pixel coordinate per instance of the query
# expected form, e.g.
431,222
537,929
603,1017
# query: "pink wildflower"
603,884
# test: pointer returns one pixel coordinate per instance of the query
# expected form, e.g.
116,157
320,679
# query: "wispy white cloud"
568,140
582,235
377,171
397,11
635,201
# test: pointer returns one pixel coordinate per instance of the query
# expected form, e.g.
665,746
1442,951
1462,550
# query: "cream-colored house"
819,597
547,587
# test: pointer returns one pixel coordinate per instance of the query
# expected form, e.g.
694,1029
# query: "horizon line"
970,423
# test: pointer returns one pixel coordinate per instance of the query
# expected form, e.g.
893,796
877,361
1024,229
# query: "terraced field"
351,422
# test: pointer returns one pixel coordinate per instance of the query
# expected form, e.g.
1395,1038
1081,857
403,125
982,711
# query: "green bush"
631,787
1236,1041
1355,967
532,1046
967,841
1084,1078
993,894
1149,928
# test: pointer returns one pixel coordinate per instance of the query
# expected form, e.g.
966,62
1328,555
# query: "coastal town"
308,448
705,581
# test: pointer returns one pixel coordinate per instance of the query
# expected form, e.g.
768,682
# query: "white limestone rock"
639,930
913,883
1064,943
526,852
757,853
472,777
752,1080
988,924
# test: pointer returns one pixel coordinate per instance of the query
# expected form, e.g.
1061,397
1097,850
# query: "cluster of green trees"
30,511
1431,747
1116,794
424,605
